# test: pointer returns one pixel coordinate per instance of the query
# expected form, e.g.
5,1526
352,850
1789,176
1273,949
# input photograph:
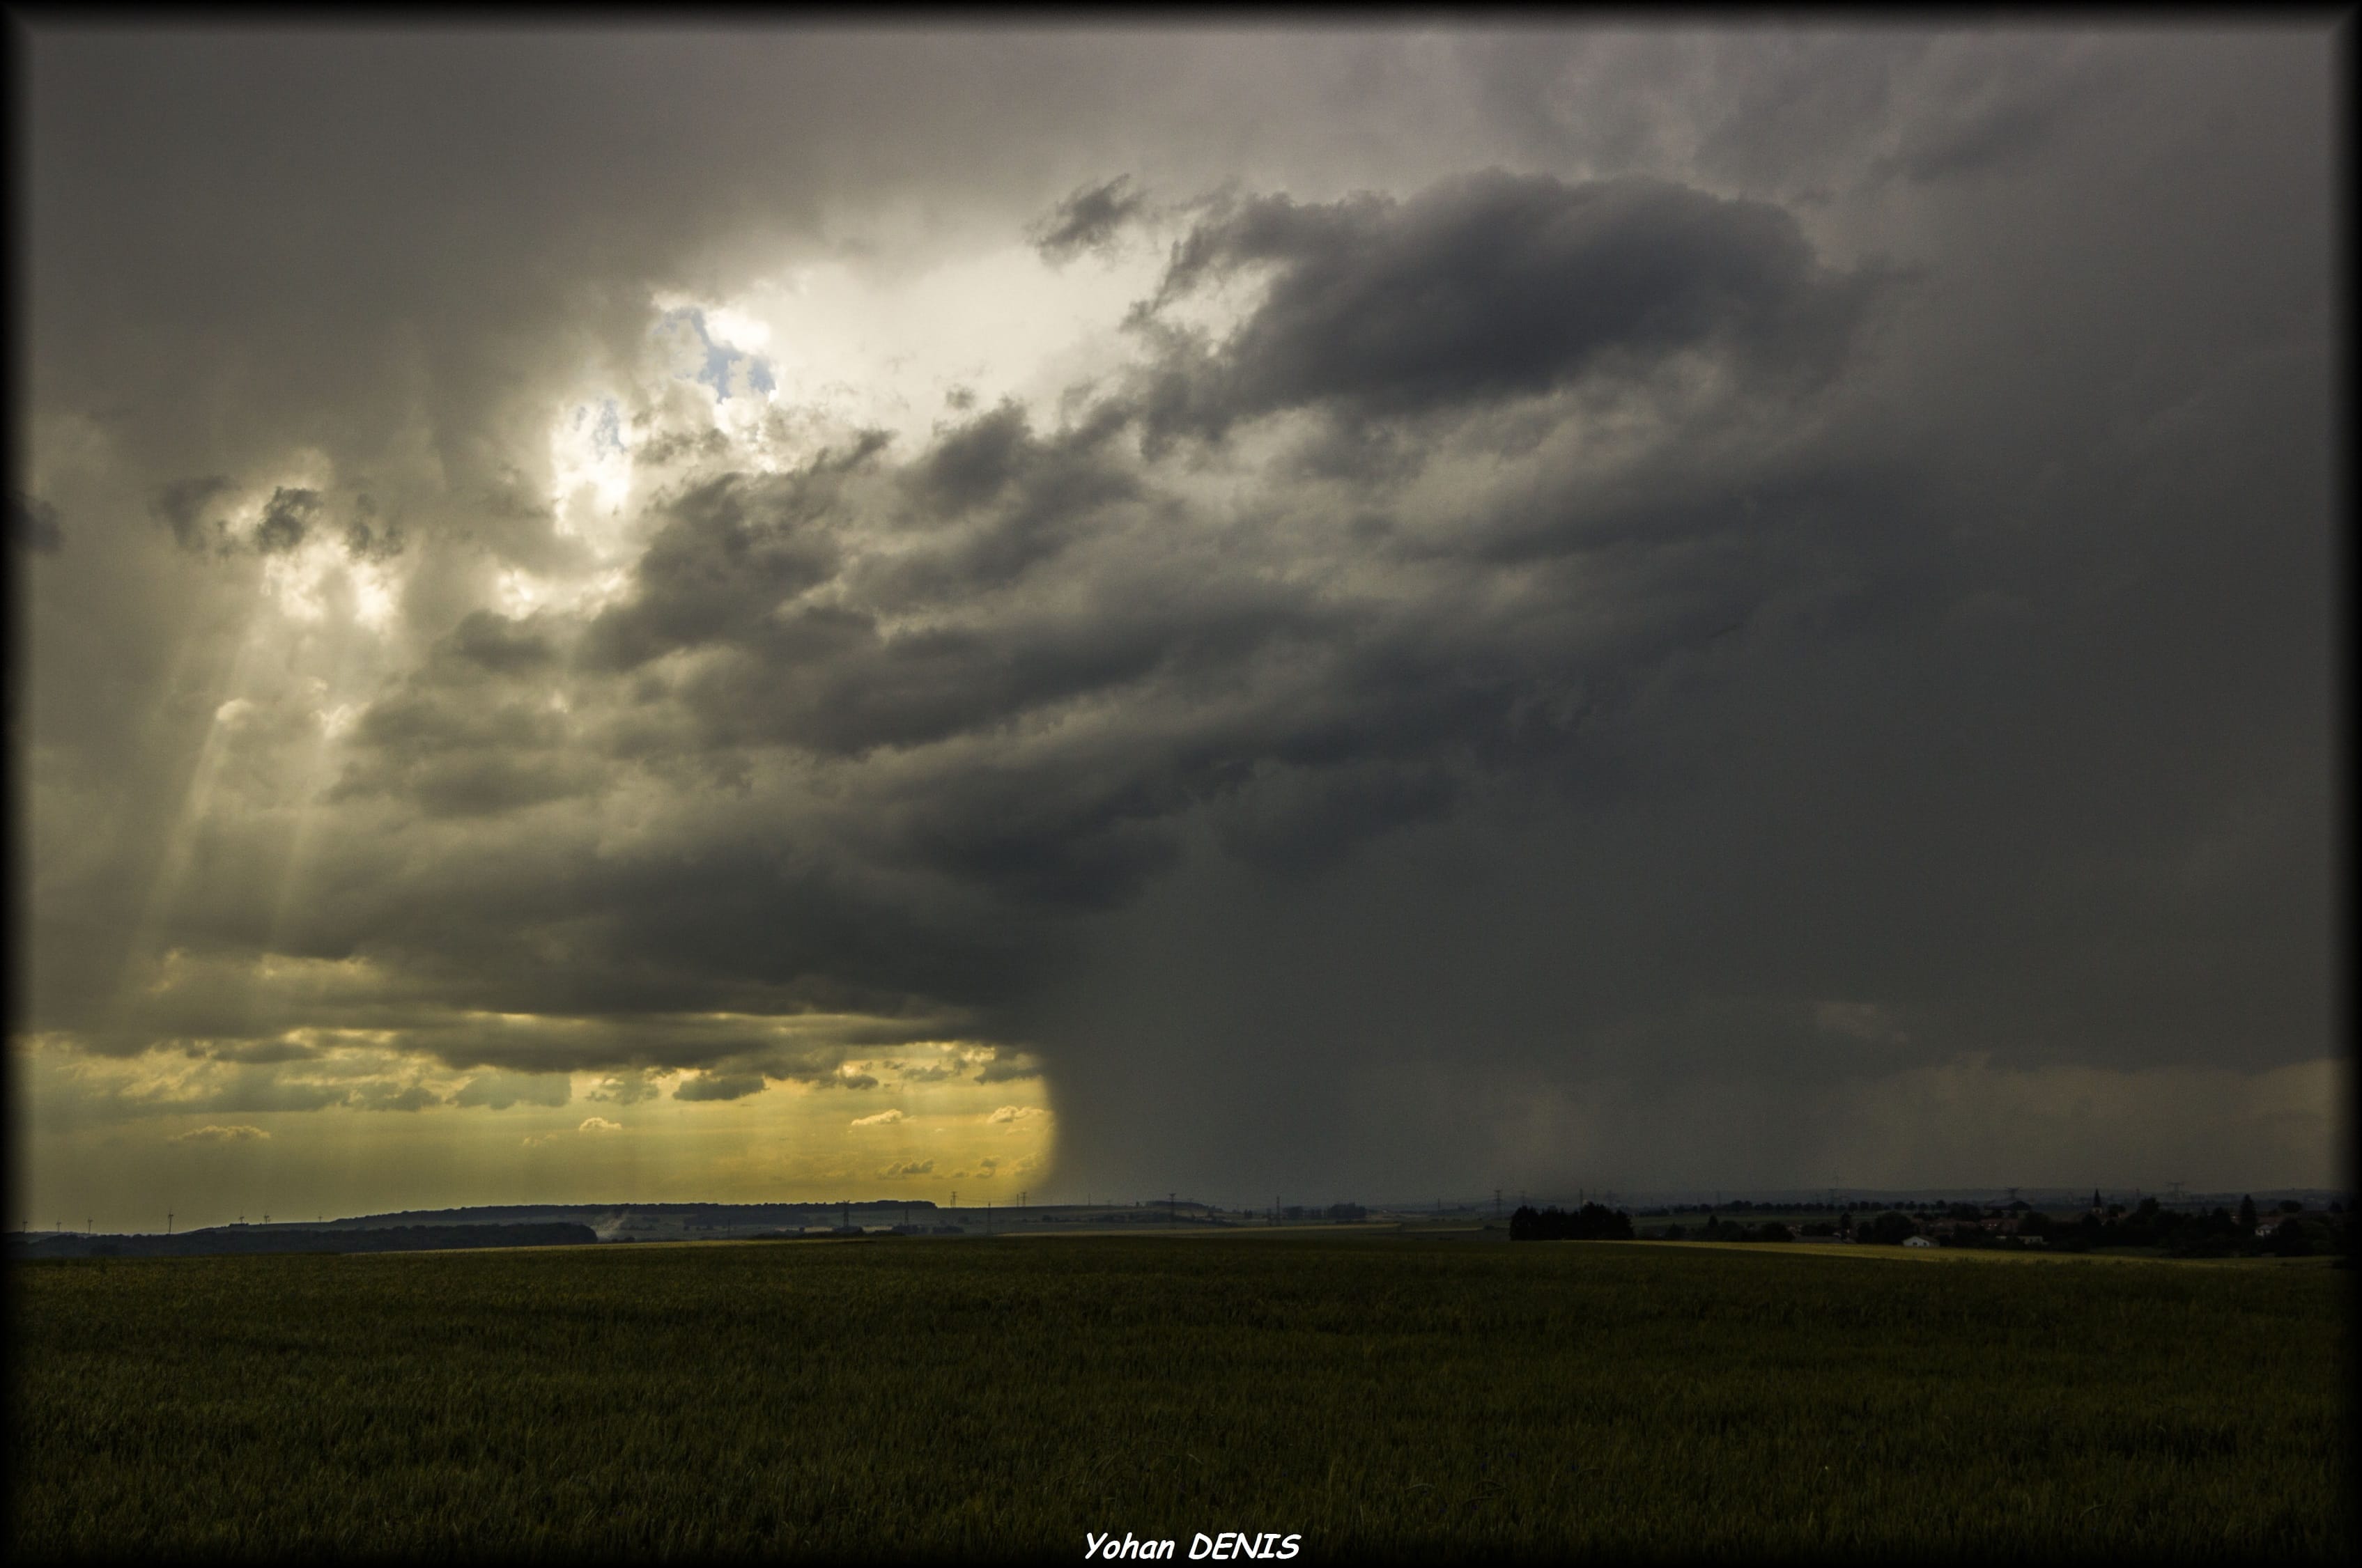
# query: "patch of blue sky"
607,433
729,371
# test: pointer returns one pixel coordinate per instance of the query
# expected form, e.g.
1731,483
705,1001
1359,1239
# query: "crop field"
1407,1396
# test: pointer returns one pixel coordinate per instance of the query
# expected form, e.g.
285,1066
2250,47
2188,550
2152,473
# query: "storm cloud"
1088,219
1716,598
1492,286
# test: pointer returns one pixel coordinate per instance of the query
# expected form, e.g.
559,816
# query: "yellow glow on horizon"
359,1124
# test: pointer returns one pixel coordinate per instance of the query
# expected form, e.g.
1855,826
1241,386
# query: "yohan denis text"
1228,1546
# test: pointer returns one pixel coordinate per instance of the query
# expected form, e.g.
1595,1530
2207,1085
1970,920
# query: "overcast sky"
1327,613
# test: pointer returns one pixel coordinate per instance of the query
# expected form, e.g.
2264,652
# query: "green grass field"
1411,1396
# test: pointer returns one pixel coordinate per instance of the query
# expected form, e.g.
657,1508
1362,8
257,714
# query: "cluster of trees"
1891,1228
2185,1233
1591,1222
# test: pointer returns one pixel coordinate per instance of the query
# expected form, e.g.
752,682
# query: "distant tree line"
1591,1222
2177,1233
1743,1206
2189,1234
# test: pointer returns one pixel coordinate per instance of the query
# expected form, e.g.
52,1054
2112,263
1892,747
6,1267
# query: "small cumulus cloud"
240,1133
909,1168
1017,1115
883,1118
599,1124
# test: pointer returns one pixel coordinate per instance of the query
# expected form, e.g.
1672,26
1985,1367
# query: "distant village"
2289,1226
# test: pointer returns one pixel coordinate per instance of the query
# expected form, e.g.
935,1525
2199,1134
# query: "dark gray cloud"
2002,108
1000,1071
287,519
33,524
1088,219
385,1096
265,1051
624,1089
366,539
719,1086
181,504
452,756
497,1091
1491,286
733,554
497,645
1667,574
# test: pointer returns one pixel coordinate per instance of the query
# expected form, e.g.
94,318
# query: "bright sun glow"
316,581
373,594
891,353
518,592
591,465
